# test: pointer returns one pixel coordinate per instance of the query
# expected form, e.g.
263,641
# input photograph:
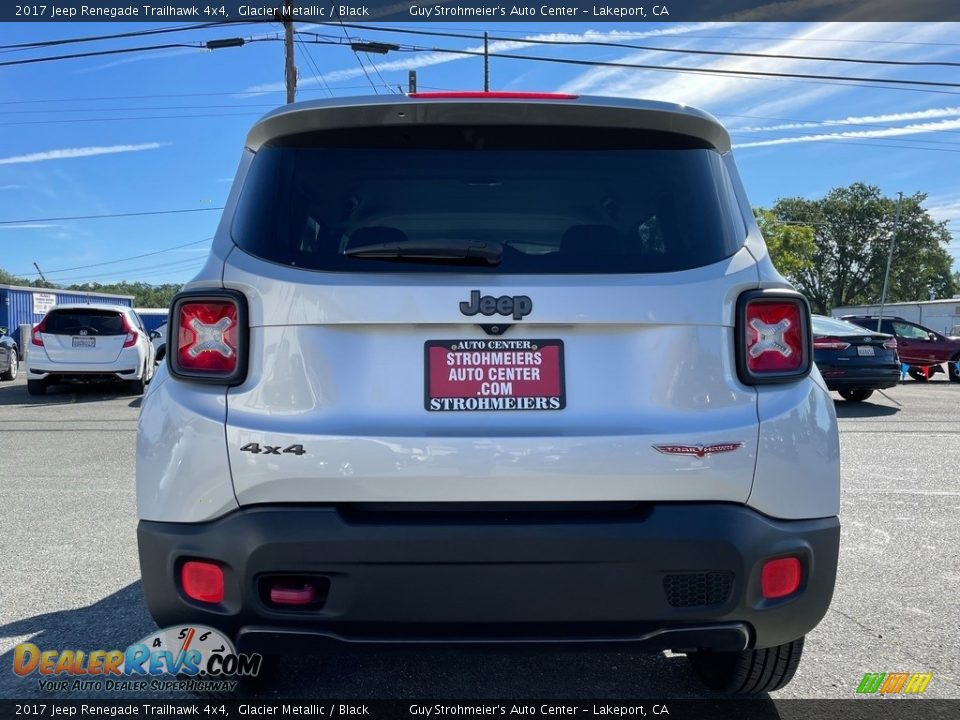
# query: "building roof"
63,291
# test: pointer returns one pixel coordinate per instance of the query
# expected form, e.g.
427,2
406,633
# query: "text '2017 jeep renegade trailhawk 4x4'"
492,368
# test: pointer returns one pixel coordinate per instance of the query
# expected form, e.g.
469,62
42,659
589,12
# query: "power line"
316,70
109,215
134,272
356,54
132,257
157,107
844,81
137,33
140,117
98,53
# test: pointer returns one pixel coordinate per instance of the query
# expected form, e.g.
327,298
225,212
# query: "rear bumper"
665,575
839,377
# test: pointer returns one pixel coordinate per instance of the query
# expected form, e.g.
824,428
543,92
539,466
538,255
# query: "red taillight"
829,343
496,95
131,338
36,337
202,581
209,336
773,336
890,344
780,577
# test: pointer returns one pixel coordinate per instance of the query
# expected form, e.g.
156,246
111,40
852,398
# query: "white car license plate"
865,350
84,342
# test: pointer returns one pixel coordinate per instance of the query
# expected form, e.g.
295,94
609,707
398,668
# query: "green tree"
791,246
852,230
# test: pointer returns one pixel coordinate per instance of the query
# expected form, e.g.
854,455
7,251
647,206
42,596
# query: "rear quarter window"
557,200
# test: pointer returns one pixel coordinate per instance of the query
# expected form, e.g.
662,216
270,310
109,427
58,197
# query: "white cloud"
12,187
861,120
756,95
915,129
79,152
27,226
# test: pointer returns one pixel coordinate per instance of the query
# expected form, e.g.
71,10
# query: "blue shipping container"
27,305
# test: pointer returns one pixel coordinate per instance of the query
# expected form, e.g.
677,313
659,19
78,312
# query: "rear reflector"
478,95
209,336
780,577
773,336
281,594
202,581
829,343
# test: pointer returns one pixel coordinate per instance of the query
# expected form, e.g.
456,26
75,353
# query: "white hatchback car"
486,368
89,343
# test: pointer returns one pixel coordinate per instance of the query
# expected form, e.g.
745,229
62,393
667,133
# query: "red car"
921,348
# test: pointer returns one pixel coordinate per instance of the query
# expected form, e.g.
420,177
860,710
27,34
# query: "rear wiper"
440,249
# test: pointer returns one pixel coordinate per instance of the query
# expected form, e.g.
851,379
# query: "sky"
163,129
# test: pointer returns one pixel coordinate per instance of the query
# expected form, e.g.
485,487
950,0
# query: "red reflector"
207,338
131,338
202,581
780,577
288,595
829,343
36,337
479,95
774,336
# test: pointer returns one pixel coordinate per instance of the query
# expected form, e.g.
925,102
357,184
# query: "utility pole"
412,81
39,272
486,62
886,275
290,70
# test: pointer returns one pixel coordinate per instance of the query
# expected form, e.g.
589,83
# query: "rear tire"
917,374
855,394
137,387
37,387
11,371
748,672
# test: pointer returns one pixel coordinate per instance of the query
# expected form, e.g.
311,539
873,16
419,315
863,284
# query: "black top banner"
489,11
508,709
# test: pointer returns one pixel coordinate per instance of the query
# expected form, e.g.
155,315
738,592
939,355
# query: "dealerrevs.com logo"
198,658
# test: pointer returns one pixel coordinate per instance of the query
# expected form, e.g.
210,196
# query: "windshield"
489,199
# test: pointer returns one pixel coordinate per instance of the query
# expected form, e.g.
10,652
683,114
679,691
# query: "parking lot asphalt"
69,571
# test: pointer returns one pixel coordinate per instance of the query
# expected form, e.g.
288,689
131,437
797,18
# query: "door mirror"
931,337
154,335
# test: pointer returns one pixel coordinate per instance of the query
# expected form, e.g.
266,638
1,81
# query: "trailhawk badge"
700,451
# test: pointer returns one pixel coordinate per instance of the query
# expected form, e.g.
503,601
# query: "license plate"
865,350
493,375
84,342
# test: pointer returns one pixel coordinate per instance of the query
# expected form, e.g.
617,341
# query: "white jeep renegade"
492,367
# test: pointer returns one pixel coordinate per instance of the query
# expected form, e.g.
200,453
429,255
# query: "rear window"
94,322
831,326
552,200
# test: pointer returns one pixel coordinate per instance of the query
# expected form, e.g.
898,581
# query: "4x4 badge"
518,305
699,450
